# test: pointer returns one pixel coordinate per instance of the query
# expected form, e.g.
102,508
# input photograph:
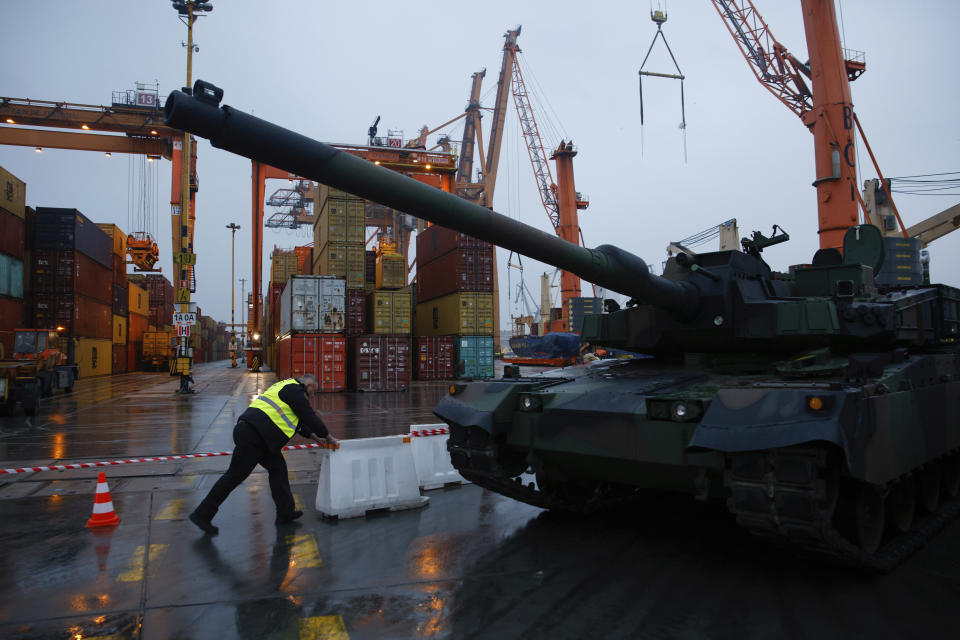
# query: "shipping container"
312,304
467,270
304,259
12,233
389,312
579,307
434,357
134,356
93,356
70,230
324,192
340,220
13,193
70,272
136,327
79,315
391,271
117,238
283,264
370,268
160,297
458,313
435,241
158,347
120,272
137,300
11,277
379,362
356,303
322,354
119,329
342,261
120,359
121,300
475,357
11,317
28,234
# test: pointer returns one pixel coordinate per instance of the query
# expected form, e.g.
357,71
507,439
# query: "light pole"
189,11
233,328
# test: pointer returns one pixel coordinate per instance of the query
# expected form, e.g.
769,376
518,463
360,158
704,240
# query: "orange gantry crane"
819,93
139,121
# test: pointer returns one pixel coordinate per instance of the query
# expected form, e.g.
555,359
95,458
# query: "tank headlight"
456,388
529,403
819,404
680,411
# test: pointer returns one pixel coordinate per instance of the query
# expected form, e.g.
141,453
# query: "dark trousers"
250,451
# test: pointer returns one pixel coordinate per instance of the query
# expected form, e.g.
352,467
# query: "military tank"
823,409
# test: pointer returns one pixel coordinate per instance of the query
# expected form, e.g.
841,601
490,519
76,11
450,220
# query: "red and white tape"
429,432
109,463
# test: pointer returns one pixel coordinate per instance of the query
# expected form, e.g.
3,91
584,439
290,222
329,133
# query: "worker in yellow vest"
260,433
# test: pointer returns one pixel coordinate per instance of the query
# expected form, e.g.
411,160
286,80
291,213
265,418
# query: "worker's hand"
332,441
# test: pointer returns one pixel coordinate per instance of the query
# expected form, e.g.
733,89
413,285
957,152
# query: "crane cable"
659,17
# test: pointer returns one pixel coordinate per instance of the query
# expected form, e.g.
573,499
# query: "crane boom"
825,107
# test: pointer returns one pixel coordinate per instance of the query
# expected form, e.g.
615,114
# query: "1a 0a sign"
185,318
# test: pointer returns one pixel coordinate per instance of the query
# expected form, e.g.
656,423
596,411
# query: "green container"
474,357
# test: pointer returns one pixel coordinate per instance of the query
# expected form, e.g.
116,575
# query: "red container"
379,362
12,235
11,317
161,316
120,271
436,241
160,294
356,304
134,353
136,326
83,317
456,271
434,358
304,259
120,358
68,273
322,354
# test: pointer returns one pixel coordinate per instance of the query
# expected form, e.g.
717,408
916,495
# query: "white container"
312,304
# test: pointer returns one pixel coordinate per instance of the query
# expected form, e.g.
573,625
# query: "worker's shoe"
204,523
289,517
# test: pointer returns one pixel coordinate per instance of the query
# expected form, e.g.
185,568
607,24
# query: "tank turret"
820,405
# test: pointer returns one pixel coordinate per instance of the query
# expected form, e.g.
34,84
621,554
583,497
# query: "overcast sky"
328,69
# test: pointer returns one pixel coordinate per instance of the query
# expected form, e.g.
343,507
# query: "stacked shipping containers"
159,335
73,285
138,309
310,321
454,299
12,241
120,297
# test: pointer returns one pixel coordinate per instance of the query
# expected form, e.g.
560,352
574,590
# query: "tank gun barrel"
246,135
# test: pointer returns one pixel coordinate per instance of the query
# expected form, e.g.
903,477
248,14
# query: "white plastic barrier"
431,458
368,474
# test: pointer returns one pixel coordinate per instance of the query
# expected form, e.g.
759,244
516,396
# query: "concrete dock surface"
470,564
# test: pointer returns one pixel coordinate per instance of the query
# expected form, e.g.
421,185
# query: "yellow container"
391,271
389,311
139,300
346,261
119,237
157,344
322,193
119,330
94,357
13,193
340,220
466,314
282,266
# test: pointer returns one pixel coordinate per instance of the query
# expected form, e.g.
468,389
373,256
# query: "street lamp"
233,329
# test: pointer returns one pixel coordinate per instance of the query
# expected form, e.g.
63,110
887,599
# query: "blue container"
11,277
475,357
70,230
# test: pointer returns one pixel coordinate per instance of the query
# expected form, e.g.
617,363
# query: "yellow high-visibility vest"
276,409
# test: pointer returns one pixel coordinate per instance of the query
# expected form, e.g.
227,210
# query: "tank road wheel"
862,515
930,488
901,505
950,472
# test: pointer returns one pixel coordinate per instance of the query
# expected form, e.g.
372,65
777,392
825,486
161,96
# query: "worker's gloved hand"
332,441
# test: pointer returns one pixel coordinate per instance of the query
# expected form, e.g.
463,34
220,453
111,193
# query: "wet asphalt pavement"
471,564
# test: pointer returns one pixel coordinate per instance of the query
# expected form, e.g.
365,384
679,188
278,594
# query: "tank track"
784,495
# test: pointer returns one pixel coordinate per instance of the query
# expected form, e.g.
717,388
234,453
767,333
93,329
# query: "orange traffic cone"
103,514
